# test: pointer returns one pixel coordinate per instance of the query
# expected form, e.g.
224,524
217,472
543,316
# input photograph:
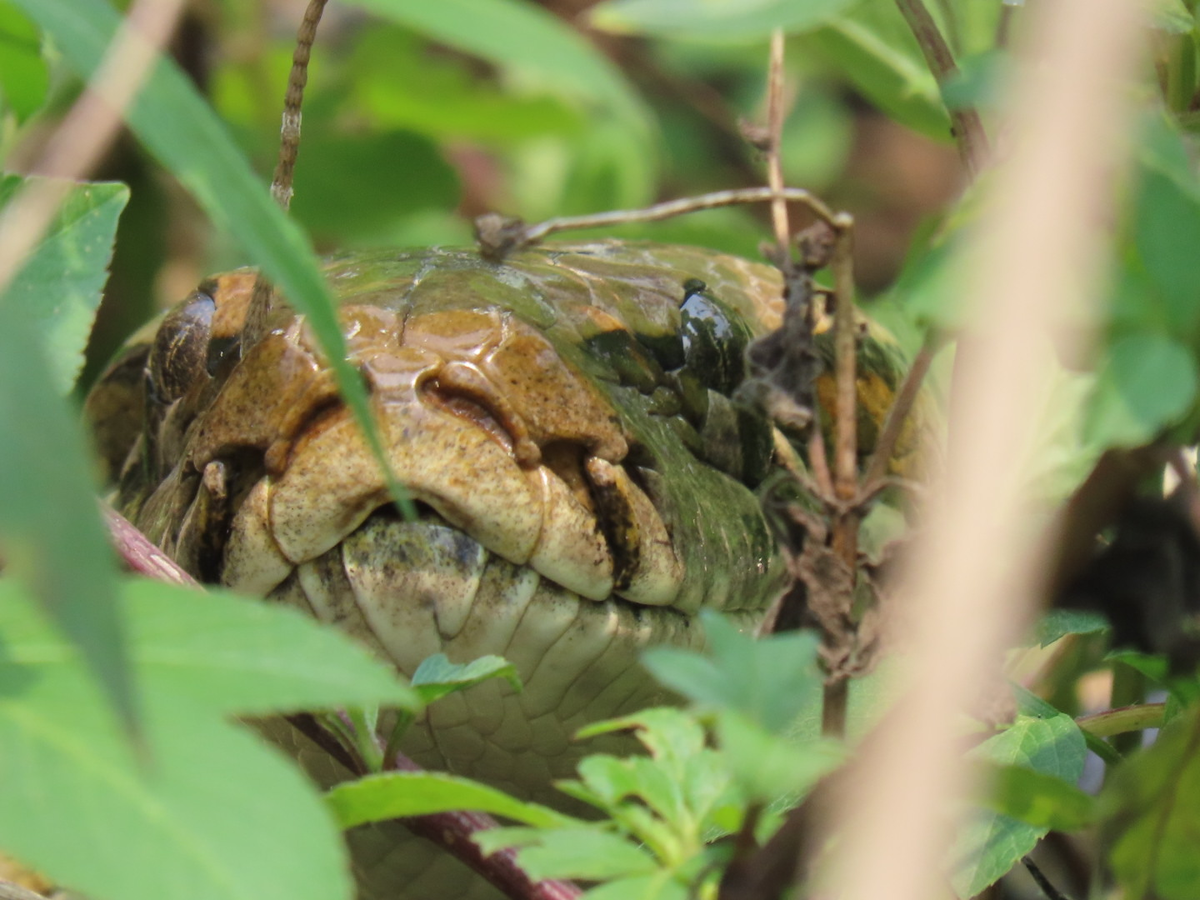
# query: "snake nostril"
463,391
566,460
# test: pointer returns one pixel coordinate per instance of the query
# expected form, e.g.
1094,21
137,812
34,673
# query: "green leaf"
1153,665
50,530
873,47
179,128
735,20
58,288
526,40
436,676
393,795
1030,704
1152,807
452,104
586,853
1171,16
1041,800
770,681
768,766
658,886
237,655
1058,623
1147,384
208,812
613,780
992,843
24,76
1167,229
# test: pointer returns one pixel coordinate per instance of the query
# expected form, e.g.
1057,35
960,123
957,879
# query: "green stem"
1128,690
1123,720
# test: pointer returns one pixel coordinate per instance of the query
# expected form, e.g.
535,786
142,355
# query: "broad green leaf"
58,288
24,76
1152,807
436,676
721,19
178,127
769,681
525,40
392,795
1147,384
1030,704
220,652
51,535
873,48
992,843
1058,623
1042,800
237,655
207,812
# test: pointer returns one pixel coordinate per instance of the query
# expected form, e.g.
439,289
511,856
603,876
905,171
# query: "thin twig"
901,406
818,461
779,211
87,130
844,531
968,127
289,148
531,234
140,554
1051,892
846,346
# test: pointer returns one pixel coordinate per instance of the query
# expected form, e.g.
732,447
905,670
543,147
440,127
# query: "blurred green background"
421,118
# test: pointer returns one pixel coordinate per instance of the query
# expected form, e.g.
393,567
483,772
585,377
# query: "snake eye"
714,339
180,352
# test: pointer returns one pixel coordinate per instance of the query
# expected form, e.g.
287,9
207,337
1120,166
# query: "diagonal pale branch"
975,575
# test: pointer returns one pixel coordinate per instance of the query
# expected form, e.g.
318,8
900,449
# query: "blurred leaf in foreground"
992,843
1153,815
215,813
50,530
721,19
24,75
58,289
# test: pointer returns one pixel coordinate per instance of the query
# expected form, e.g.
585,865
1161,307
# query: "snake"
564,422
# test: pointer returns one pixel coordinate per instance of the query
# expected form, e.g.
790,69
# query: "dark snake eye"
714,339
180,352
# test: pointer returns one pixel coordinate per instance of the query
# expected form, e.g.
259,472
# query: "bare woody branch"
968,127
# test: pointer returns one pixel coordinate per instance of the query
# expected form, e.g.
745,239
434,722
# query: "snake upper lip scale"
571,511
